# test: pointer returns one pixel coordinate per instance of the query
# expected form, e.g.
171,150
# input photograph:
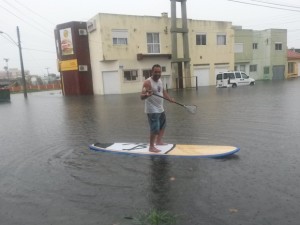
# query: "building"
113,53
12,73
261,54
123,49
293,58
72,48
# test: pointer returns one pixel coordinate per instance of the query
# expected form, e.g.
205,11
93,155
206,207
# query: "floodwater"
48,175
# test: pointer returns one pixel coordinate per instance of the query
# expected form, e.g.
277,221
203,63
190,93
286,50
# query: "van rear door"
221,80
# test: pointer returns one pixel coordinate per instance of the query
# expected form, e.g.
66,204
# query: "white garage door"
219,69
111,82
298,69
202,75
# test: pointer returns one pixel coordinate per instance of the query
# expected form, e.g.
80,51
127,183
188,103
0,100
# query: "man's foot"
153,149
161,143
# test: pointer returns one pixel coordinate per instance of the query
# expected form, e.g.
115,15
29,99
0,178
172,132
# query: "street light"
21,58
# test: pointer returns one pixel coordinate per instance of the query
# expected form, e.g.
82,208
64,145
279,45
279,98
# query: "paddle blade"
191,108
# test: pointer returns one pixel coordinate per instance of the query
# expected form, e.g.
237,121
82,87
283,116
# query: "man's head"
156,72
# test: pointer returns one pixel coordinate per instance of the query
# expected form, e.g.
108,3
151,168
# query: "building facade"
123,49
293,63
261,54
72,48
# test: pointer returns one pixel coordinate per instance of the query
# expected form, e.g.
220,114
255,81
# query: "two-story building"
123,49
261,54
119,51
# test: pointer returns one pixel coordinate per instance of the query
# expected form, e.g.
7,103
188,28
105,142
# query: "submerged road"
48,175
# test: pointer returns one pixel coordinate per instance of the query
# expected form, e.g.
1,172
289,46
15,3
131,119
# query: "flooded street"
48,175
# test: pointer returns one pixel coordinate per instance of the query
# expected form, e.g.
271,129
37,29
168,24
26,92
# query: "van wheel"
252,83
234,85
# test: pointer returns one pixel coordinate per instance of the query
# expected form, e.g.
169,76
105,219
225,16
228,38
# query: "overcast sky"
37,20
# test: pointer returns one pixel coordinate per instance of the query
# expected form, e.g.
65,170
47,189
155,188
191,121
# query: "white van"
233,79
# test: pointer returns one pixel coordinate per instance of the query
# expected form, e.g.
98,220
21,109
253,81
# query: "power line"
11,41
29,9
21,12
39,50
289,6
272,7
32,25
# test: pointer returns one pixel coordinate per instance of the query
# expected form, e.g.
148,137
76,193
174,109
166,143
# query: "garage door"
111,82
278,72
202,75
219,69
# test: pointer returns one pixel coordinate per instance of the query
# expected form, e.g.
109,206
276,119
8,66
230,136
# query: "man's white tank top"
154,104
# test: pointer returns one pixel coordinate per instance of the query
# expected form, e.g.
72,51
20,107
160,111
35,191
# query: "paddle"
190,108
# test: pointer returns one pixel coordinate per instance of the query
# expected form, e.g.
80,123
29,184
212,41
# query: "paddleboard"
201,151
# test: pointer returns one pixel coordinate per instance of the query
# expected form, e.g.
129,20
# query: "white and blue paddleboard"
201,151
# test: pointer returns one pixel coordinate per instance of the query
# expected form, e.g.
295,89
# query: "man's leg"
162,125
159,137
153,120
152,141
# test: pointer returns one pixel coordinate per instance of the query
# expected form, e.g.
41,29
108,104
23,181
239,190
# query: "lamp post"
21,58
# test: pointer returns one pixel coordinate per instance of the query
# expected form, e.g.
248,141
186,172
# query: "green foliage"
155,217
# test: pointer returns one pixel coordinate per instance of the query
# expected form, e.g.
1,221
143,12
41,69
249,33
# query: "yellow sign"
68,65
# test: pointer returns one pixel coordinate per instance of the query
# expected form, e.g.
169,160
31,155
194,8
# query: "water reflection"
159,183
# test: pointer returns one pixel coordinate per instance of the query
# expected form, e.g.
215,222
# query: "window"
219,76
244,76
253,68
120,37
130,75
221,39
146,73
278,46
242,68
231,76
254,46
153,43
291,67
200,39
238,47
163,69
237,74
266,70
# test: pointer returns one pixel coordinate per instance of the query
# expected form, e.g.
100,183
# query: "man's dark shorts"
157,121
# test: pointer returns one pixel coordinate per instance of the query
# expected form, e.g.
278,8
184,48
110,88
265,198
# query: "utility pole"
22,66
21,58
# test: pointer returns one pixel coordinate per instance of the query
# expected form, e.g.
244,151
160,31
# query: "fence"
32,88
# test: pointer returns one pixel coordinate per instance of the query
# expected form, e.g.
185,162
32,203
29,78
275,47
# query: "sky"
37,20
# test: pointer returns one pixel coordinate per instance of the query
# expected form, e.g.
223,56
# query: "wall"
107,57
211,54
72,50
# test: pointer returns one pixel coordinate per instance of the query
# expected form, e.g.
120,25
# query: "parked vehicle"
233,79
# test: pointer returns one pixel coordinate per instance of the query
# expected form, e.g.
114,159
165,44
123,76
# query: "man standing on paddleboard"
154,107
